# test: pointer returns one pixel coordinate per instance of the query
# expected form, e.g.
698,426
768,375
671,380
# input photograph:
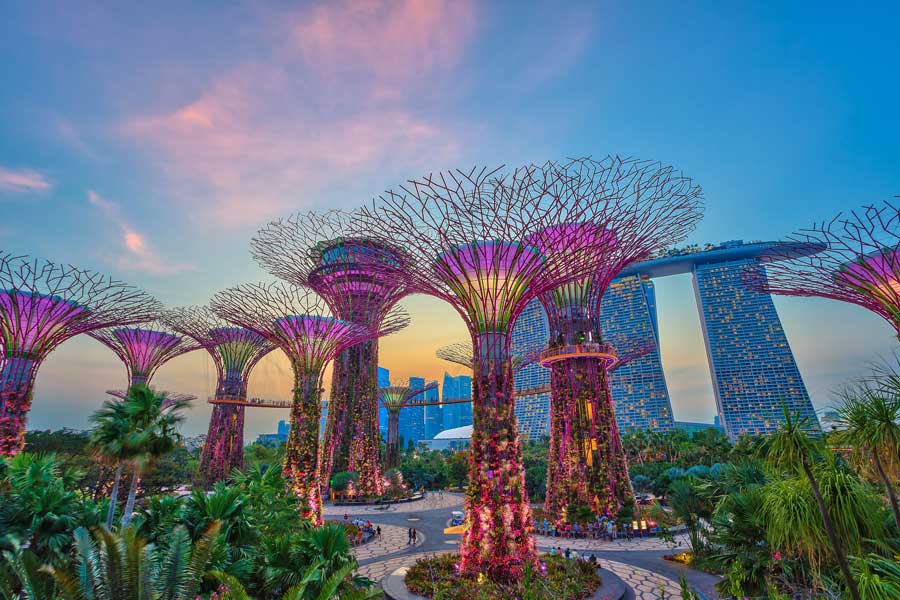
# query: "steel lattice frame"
858,262
465,232
296,320
461,353
355,275
144,349
395,398
234,351
42,304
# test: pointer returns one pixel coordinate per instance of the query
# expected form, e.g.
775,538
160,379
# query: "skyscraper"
412,418
434,421
457,388
753,370
638,388
531,333
384,380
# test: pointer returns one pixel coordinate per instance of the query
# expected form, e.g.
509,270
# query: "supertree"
42,304
144,349
395,398
852,258
651,207
356,276
172,398
234,351
299,322
461,353
465,232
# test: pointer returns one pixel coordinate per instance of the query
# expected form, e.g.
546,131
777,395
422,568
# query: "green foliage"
342,479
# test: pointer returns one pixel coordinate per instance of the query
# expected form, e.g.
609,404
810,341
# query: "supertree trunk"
336,442
566,470
364,441
498,542
598,458
16,388
301,454
392,451
224,447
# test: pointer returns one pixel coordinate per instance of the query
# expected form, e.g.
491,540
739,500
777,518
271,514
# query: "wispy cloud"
22,181
137,254
330,102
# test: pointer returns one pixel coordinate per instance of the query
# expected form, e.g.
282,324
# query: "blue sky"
152,141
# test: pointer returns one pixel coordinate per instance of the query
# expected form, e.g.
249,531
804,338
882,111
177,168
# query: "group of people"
570,554
412,536
603,528
366,530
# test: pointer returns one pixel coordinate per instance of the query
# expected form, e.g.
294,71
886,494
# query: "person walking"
378,532
409,536
415,534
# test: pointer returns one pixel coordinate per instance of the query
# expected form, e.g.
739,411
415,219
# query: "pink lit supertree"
649,207
144,349
234,351
42,304
356,276
394,399
853,258
299,323
465,234
461,353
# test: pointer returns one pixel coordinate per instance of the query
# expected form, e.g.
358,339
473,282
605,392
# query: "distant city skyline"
151,144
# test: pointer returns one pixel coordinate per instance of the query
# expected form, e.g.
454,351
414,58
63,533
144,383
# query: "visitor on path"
415,534
568,552
378,532
409,536
552,552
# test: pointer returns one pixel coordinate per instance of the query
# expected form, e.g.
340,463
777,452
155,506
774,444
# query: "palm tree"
868,420
153,433
111,426
791,449
123,566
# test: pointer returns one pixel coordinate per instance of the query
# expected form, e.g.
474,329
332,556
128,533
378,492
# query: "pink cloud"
324,109
137,254
23,181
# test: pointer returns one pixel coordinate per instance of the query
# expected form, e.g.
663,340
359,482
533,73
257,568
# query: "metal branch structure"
171,398
466,236
144,349
650,208
854,258
43,304
394,399
461,353
299,322
234,351
356,276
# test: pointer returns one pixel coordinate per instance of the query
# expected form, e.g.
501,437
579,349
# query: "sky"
150,141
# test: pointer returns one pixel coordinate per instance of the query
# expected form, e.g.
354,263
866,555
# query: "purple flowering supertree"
465,234
394,399
144,349
461,353
852,258
356,276
234,351
650,207
299,323
42,304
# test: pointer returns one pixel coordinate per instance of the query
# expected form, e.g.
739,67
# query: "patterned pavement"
432,501
645,584
393,539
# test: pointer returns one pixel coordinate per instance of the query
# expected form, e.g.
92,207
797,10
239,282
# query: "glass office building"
753,369
434,419
412,418
456,388
384,380
530,333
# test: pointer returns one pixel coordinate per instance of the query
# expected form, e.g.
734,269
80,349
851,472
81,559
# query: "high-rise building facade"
638,388
753,369
434,418
384,380
531,333
412,418
456,388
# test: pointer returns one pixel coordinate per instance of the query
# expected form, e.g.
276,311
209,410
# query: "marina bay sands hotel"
750,361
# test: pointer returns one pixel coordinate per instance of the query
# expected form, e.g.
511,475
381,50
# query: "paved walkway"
618,545
393,539
432,501
645,584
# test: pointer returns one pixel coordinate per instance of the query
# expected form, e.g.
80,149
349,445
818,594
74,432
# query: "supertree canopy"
298,322
144,349
652,208
356,276
853,258
395,398
42,304
234,351
460,353
466,237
